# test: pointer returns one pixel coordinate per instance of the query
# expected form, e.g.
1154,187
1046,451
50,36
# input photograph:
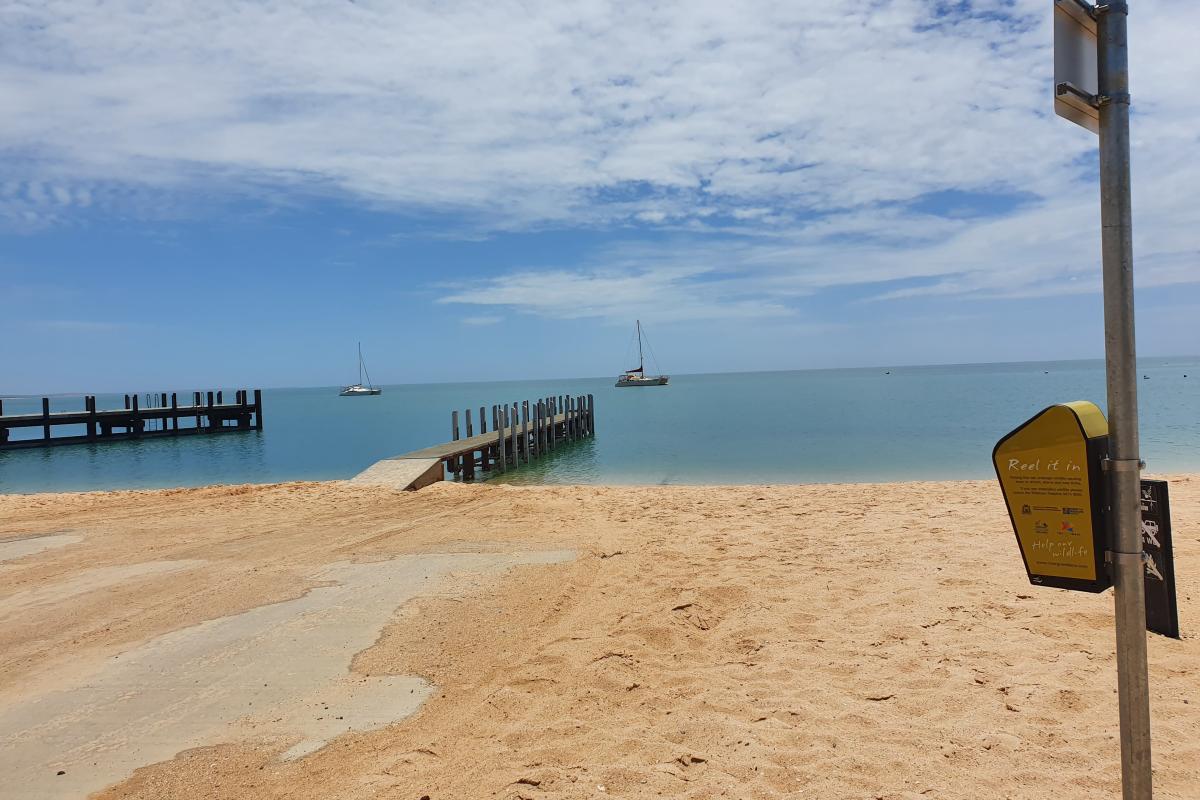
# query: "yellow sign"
1050,473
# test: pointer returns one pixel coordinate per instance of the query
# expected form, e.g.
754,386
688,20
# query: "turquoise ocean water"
771,427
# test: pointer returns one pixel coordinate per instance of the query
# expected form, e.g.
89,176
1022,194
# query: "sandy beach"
322,640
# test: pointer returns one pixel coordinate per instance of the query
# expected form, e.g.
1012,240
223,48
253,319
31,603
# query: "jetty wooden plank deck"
520,432
136,421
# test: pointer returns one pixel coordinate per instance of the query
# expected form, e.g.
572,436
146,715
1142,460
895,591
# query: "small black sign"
1162,613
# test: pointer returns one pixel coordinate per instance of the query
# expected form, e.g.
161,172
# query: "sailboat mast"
360,363
641,363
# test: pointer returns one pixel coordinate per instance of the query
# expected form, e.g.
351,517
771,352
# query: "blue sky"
234,194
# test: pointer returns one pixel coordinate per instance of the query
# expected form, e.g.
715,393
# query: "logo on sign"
1066,528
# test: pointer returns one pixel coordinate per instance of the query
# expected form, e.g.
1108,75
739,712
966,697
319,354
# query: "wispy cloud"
807,131
482,320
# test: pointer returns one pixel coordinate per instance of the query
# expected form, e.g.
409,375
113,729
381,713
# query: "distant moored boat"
638,377
358,389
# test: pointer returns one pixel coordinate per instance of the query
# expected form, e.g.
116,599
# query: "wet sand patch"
19,548
280,671
88,581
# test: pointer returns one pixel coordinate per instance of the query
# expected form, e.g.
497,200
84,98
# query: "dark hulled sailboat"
638,377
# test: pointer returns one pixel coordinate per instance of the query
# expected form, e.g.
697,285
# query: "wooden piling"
468,459
482,422
501,456
258,409
46,418
455,466
525,431
516,445
89,405
136,420
539,441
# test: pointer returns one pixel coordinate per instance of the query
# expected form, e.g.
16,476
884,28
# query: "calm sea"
898,423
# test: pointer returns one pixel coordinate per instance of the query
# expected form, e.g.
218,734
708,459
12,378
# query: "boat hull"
650,380
359,391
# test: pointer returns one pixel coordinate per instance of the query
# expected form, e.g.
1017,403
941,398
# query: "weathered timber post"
46,418
510,416
220,399
244,412
525,431
210,405
468,460
258,409
516,445
505,413
3,431
539,447
89,405
591,415
484,461
136,429
455,465
501,457
553,423
174,412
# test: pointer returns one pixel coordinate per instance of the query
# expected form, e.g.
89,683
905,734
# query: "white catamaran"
358,390
638,377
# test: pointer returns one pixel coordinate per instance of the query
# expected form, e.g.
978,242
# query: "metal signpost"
1080,29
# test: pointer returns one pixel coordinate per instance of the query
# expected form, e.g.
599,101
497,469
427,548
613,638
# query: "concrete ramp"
402,473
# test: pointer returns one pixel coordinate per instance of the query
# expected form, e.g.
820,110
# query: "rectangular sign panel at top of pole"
1076,82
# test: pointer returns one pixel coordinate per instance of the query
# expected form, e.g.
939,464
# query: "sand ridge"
860,641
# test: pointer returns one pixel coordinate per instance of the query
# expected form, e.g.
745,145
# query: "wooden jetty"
160,416
520,432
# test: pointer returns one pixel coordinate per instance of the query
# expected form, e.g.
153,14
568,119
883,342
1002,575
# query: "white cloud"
809,126
482,320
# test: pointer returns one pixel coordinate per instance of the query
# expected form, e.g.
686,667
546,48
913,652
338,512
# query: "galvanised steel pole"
1125,538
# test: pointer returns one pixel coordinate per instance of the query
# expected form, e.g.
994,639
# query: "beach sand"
825,641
